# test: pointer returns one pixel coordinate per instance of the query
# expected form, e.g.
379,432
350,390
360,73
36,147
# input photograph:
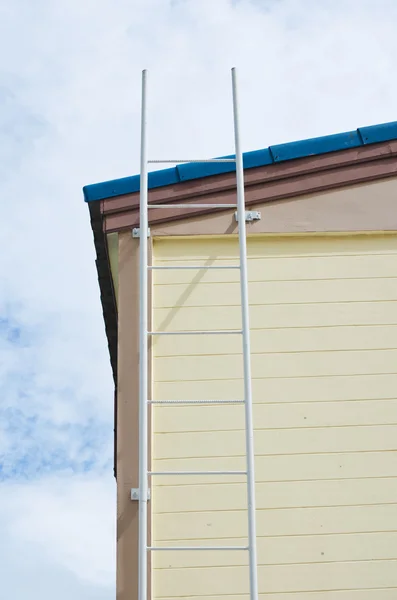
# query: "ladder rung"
197,473
159,548
192,205
213,332
196,401
194,160
153,267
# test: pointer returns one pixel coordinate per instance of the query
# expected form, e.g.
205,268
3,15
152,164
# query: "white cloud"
70,99
67,519
60,533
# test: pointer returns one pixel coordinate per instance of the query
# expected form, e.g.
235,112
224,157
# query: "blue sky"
69,116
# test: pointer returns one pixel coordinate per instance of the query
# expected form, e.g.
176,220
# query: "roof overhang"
313,174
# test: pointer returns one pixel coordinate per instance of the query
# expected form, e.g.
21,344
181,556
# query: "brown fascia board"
273,182
269,183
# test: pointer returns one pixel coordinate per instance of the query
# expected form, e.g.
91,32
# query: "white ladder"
144,472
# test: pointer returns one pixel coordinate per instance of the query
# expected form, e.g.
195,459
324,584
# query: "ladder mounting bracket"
250,216
136,232
135,494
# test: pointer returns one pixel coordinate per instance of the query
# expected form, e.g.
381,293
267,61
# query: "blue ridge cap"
258,158
378,133
316,146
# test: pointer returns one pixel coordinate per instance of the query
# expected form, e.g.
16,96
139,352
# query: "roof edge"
362,136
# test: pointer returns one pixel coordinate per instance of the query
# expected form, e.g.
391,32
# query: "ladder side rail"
253,575
143,353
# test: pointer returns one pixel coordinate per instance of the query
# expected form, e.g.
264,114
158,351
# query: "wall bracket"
135,494
250,216
136,232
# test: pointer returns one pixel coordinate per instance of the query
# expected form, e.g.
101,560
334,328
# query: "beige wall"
357,208
324,355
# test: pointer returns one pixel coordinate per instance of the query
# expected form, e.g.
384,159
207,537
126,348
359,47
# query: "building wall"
324,339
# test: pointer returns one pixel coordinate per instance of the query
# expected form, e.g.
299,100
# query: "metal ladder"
144,334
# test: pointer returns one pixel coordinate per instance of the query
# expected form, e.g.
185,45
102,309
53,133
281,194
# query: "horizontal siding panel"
287,550
359,594
279,269
300,339
171,418
290,389
281,578
262,245
193,368
327,314
289,494
289,521
278,292
299,467
324,329
277,441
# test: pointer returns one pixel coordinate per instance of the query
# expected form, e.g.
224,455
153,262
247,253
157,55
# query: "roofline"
363,136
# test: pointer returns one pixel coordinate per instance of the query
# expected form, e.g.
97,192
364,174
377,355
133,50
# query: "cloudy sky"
69,116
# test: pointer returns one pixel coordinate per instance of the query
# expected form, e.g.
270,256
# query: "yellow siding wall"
324,360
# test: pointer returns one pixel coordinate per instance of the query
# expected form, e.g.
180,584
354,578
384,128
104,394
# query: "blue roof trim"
129,185
378,133
258,158
316,146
